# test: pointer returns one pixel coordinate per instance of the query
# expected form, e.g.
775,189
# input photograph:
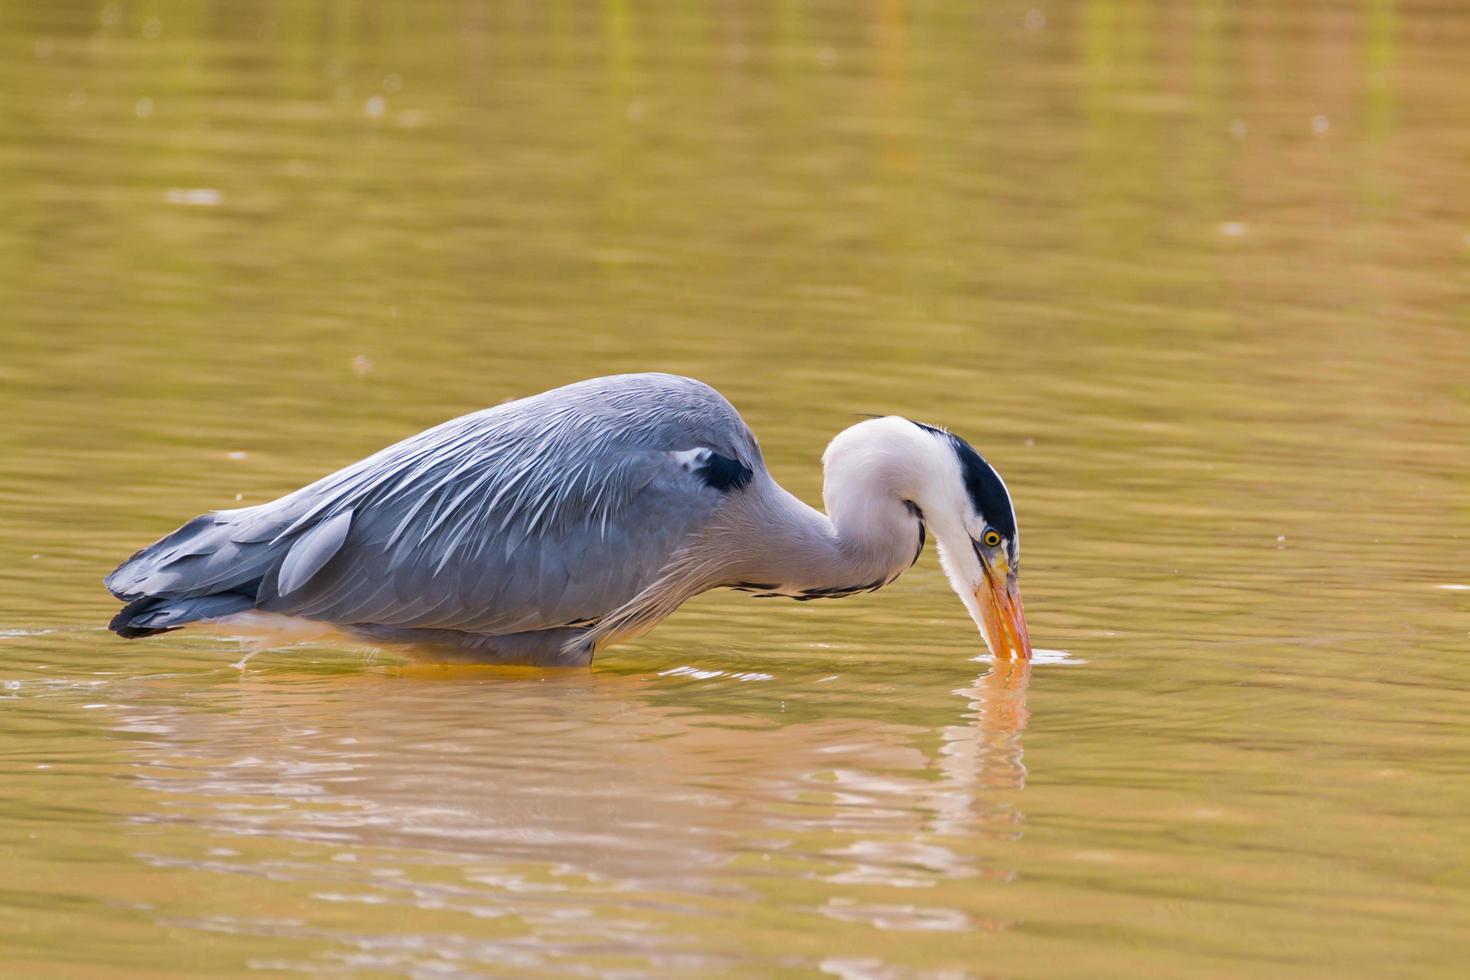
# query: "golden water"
1194,276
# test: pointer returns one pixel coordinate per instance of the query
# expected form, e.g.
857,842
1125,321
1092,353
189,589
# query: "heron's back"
535,514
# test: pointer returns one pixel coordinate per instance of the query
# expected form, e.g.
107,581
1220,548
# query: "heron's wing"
552,510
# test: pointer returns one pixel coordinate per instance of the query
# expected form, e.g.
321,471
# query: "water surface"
1193,277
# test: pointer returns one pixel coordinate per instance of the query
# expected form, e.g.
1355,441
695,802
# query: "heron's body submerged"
542,529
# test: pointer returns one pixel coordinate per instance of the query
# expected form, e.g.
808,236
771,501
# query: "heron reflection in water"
545,529
984,754
416,761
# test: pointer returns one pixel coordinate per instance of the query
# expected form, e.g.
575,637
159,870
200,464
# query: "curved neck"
872,531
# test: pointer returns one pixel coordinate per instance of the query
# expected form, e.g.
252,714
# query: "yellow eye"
992,539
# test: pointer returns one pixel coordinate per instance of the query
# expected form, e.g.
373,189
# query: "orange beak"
1005,618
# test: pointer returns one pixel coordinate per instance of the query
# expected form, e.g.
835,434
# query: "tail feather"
197,559
195,573
219,563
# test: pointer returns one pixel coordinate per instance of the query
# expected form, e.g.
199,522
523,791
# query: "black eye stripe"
987,492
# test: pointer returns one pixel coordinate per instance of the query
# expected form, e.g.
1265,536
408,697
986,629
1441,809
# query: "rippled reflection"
557,800
985,753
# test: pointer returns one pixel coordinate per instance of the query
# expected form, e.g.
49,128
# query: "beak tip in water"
1005,621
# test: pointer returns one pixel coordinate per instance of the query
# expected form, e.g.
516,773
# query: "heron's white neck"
874,465
881,477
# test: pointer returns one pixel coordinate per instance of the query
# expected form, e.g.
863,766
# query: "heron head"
968,509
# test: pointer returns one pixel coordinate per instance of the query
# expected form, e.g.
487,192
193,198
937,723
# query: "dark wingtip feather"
138,632
121,624
159,614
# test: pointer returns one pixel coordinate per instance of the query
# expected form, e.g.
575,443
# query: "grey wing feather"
554,509
312,549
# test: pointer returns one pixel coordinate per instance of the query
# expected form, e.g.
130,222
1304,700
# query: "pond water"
1193,276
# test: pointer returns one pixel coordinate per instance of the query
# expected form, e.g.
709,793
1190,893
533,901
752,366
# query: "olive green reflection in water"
1192,276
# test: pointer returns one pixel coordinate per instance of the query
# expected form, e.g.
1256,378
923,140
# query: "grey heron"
544,529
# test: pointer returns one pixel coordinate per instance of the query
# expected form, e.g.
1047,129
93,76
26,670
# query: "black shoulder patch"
983,485
724,474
